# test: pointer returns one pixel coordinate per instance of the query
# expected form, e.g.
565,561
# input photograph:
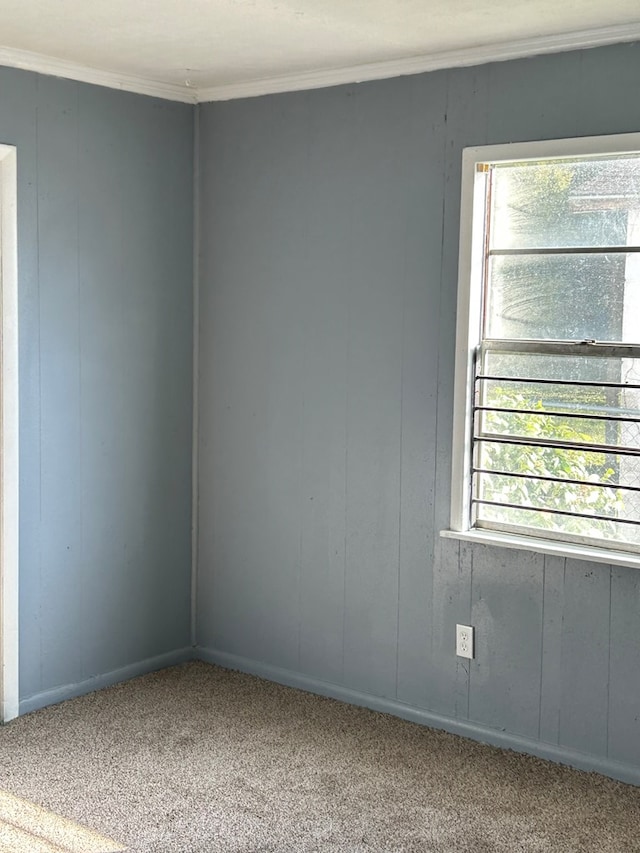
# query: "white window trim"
9,674
468,335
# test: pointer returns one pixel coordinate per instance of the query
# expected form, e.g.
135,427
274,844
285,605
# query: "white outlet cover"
464,641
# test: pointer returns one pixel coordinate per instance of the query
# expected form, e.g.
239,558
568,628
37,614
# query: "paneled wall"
329,247
105,301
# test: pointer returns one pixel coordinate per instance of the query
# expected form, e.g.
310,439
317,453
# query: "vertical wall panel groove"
551,668
585,657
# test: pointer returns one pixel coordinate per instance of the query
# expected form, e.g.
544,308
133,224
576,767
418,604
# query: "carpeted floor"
196,759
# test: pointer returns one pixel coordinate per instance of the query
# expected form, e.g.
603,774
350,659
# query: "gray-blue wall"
329,249
105,207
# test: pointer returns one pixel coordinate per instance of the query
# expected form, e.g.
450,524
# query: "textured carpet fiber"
196,759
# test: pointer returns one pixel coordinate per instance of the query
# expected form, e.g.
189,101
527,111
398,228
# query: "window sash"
479,436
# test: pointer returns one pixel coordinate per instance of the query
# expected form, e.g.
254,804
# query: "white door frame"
9,691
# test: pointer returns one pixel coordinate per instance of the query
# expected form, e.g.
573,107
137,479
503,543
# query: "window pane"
566,203
572,368
552,427
564,297
603,484
572,401
614,532
529,477
587,466
580,499
574,414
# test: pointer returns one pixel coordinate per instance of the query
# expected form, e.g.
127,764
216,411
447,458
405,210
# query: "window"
547,398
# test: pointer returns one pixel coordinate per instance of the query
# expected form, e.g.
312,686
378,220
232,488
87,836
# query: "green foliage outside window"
586,466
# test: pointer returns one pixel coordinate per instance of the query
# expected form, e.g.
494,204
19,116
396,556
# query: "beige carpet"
196,759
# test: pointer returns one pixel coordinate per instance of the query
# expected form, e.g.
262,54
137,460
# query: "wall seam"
400,457
82,442
542,635
39,310
562,646
195,378
608,727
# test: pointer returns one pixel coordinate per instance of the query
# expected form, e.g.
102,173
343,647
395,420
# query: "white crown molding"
516,49
41,64
319,79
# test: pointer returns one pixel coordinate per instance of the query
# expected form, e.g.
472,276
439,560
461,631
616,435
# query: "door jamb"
9,401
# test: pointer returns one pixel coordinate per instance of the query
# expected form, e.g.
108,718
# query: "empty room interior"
320,426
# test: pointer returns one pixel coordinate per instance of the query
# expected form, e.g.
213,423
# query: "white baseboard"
475,731
97,682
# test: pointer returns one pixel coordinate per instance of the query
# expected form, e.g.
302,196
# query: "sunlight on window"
28,828
550,299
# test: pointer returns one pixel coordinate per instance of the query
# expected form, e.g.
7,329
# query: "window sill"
545,546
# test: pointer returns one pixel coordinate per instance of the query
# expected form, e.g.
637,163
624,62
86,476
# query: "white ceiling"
212,49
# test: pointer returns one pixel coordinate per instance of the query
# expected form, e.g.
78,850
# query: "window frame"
469,332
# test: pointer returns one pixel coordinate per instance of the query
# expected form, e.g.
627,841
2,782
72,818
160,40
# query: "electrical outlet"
464,641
